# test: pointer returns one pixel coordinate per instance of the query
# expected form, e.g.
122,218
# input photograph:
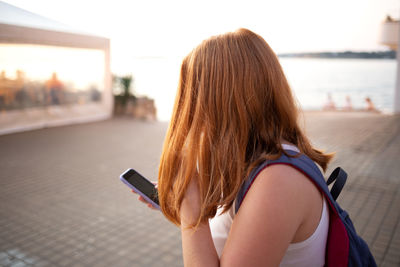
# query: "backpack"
344,246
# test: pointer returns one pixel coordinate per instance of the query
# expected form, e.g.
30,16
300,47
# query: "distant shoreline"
345,54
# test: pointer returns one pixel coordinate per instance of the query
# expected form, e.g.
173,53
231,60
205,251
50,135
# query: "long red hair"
233,109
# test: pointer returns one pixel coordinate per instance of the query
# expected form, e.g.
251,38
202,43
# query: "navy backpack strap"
344,247
247,183
339,176
300,162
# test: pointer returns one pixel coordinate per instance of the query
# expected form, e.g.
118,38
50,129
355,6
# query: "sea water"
311,80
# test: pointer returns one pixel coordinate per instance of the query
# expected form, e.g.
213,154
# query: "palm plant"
124,84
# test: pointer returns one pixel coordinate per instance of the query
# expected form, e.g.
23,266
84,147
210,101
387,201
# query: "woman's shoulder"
275,209
281,187
283,178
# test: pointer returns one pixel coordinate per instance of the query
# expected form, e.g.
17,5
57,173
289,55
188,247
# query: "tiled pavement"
61,202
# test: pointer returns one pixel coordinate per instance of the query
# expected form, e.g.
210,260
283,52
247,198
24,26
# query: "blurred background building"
390,35
50,74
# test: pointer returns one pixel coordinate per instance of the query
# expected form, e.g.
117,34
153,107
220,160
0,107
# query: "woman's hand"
140,198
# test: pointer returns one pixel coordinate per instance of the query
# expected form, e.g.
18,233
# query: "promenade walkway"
62,204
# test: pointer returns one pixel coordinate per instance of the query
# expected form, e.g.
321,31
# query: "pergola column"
397,89
390,36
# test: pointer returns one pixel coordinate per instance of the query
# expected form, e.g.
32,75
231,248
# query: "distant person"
55,90
369,104
234,110
329,105
22,97
4,90
348,106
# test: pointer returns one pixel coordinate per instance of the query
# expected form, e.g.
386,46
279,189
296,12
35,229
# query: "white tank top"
310,252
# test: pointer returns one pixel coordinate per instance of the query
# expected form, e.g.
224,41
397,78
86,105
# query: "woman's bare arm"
271,217
268,221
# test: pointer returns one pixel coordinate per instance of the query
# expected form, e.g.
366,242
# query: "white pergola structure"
390,36
34,35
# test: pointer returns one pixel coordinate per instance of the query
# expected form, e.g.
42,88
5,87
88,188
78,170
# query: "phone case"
137,190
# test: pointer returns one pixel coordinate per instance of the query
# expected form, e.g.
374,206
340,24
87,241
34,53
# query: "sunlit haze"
163,28
39,62
150,38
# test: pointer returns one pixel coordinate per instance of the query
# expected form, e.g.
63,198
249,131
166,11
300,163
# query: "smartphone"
141,185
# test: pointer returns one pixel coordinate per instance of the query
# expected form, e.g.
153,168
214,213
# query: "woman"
234,109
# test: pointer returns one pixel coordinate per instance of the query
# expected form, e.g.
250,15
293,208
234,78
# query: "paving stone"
61,202
19,264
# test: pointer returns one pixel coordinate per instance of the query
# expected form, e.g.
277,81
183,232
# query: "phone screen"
142,184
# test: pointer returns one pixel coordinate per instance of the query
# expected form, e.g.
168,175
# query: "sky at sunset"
172,28
149,38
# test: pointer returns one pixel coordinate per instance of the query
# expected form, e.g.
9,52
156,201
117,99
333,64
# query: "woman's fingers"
151,206
140,198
